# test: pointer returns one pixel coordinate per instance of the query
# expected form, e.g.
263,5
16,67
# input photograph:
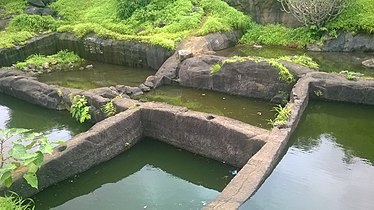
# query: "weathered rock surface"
368,63
43,11
37,3
350,41
265,11
248,78
128,53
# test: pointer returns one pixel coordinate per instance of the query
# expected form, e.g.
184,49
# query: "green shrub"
79,109
33,23
279,35
127,7
12,7
357,16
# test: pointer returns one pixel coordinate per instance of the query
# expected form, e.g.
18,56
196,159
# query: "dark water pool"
330,164
101,75
251,111
328,61
151,175
57,125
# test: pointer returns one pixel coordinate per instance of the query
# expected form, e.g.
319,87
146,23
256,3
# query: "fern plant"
281,115
109,109
79,109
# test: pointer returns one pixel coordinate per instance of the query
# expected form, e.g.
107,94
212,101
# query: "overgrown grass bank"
11,7
158,22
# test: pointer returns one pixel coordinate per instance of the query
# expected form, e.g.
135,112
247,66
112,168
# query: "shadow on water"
151,174
101,75
329,165
328,61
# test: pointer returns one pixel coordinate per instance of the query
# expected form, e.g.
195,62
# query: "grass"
12,7
15,202
62,58
302,60
284,73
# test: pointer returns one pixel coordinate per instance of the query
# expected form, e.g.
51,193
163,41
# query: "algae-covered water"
328,61
151,175
252,111
101,75
57,125
329,165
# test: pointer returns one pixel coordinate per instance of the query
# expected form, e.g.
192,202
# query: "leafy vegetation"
302,60
282,115
24,27
215,68
26,152
284,73
15,202
358,16
63,57
12,7
79,109
109,108
350,75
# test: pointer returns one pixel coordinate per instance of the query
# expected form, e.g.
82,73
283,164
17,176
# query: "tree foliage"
313,12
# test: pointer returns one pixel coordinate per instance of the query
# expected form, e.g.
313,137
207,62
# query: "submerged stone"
369,63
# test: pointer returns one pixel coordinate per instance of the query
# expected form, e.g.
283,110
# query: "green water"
251,111
328,61
101,75
330,164
58,126
151,175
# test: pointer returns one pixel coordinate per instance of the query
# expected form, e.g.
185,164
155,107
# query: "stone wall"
44,44
91,47
214,137
127,53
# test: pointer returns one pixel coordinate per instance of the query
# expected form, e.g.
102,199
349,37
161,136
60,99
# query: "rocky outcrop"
39,7
265,11
349,42
247,78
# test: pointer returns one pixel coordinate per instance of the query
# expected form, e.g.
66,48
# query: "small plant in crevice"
109,108
284,73
26,151
318,93
79,109
215,68
282,115
350,75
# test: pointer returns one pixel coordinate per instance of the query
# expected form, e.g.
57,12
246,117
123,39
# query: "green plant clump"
350,75
282,115
302,60
63,57
12,7
109,108
15,202
80,109
215,68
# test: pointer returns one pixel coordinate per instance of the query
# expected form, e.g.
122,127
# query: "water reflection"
329,165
